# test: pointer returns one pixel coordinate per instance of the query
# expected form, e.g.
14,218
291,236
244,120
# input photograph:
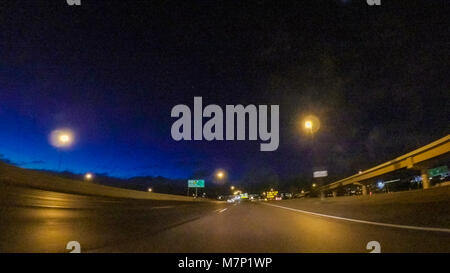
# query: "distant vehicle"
287,195
445,177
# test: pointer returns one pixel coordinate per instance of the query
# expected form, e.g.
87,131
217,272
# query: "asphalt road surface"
40,221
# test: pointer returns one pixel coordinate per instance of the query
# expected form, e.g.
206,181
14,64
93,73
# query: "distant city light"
149,189
88,176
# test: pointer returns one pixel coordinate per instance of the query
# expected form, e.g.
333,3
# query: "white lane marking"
365,222
222,210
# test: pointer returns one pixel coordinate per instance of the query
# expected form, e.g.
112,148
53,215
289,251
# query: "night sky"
377,78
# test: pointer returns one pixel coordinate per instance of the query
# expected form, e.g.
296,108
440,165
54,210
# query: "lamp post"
61,139
311,124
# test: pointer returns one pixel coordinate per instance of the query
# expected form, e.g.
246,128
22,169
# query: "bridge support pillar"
322,195
335,193
425,180
364,190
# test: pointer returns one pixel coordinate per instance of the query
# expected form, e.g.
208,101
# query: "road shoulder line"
363,221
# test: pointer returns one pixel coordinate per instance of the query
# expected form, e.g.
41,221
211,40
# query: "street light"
220,174
64,139
308,124
311,124
88,176
232,187
61,138
150,190
309,127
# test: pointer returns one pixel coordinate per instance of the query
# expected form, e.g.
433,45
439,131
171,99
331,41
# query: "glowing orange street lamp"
220,174
311,124
308,124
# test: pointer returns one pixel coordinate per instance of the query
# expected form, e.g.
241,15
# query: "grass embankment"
36,179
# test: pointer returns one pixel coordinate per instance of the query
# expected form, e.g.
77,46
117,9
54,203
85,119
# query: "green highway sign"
196,183
437,171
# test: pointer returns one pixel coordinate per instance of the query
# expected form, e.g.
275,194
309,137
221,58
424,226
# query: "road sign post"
196,183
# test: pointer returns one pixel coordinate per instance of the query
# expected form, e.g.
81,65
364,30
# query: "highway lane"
255,227
34,220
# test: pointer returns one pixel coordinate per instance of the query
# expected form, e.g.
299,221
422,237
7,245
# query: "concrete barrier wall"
40,180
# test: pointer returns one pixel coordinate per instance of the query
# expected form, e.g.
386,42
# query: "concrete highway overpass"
420,159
